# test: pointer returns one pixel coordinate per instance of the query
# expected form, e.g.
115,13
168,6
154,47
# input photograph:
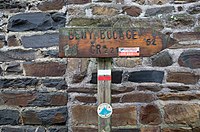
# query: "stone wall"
41,92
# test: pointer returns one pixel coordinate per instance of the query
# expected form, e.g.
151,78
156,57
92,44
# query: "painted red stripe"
129,54
104,78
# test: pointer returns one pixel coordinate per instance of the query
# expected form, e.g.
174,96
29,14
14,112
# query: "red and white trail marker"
134,51
104,75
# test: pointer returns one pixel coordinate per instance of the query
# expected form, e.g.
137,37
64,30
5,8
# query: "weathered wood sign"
111,42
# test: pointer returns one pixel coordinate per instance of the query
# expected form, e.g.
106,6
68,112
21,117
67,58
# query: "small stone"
78,118
150,115
180,21
1,23
146,76
184,46
125,130
115,99
47,116
16,99
124,116
181,113
17,54
179,88
182,77
184,1
175,96
51,53
78,1
195,9
197,29
18,83
118,22
102,10
123,89
120,1
86,99
44,69
138,97
58,129
9,117
150,129
180,8
76,11
116,77
78,77
1,71
141,2
153,88
92,99
186,36
36,21
22,129
13,6
84,22
84,129
148,23
190,58
80,64
133,11
159,11
49,99
157,2
196,129
82,90
40,41
59,20
56,99
51,5
2,41
128,62
13,41
162,59
177,130
13,68
59,84
108,1
77,69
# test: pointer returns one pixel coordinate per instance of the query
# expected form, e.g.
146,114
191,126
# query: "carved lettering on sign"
99,49
101,34
104,42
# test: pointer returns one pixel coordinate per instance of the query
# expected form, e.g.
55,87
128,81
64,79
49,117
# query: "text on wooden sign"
106,42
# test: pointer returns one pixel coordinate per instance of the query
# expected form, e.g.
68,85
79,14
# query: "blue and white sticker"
104,110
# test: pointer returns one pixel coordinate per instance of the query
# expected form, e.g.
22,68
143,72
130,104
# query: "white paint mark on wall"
127,1
88,12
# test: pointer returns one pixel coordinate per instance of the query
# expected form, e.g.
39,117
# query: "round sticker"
104,110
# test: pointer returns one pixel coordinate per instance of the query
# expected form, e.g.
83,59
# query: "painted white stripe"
133,49
104,72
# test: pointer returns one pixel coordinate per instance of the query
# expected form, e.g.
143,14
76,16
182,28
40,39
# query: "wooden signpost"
105,43
104,91
109,42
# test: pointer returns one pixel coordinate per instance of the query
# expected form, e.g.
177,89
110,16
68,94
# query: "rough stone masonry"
40,92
